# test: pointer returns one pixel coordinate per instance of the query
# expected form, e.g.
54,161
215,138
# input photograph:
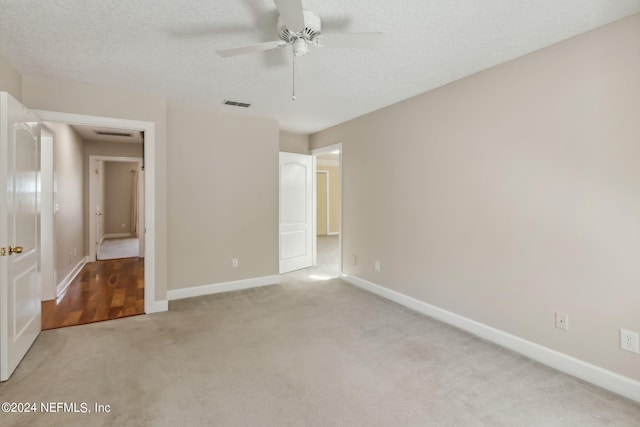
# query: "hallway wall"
68,199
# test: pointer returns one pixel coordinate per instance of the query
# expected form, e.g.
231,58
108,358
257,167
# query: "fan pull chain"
293,79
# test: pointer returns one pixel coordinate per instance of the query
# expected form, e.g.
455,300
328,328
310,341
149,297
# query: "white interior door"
296,217
20,191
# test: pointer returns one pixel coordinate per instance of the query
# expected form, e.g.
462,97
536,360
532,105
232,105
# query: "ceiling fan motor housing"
312,28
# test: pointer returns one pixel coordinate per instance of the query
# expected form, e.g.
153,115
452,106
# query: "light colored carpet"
303,353
328,258
119,248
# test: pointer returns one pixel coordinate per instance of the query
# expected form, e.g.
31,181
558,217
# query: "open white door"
20,190
296,217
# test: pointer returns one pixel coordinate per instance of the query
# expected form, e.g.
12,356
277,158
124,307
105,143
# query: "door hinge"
3,251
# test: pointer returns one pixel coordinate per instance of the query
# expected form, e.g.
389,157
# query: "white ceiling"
144,45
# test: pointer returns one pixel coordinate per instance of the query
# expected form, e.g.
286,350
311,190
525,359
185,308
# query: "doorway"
328,210
97,200
147,212
324,219
116,207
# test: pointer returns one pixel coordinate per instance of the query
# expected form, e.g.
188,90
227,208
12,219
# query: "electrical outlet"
376,266
562,321
629,341
234,262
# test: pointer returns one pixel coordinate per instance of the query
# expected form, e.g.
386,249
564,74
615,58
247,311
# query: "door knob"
15,250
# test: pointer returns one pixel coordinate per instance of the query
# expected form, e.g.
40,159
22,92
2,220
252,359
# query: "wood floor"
103,290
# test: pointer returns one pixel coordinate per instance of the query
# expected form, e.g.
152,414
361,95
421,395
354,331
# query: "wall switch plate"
355,260
562,321
234,262
376,266
629,341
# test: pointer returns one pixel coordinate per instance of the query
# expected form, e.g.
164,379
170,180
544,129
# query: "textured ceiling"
167,47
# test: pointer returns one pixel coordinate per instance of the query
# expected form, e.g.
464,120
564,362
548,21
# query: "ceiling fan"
300,28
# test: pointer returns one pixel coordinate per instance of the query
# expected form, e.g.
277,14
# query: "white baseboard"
115,236
333,233
593,374
60,287
156,306
216,288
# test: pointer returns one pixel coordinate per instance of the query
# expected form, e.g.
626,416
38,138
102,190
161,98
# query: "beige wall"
68,220
510,194
294,142
112,149
10,79
80,98
334,197
117,191
102,148
221,223
223,193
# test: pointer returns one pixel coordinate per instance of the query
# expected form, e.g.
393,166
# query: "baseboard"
156,306
216,288
593,374
333,233
60,287
115,236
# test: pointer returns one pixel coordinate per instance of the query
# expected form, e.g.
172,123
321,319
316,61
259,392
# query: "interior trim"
216,288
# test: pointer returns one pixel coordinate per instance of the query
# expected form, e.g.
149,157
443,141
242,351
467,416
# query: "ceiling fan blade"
225,53
356,40
291,13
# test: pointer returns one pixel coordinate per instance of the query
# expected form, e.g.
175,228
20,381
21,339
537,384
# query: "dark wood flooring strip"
103,290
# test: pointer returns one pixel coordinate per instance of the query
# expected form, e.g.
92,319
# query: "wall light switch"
234,262
376,266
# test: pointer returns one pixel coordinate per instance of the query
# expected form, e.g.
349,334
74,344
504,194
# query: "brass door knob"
15,250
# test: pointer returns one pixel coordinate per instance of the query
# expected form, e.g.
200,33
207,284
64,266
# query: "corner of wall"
10,79
294,142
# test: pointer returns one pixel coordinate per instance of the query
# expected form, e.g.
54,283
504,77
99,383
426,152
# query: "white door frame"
47,237
92,200
314,153
149,129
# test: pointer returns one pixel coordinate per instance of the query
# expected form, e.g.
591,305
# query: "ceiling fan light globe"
300,47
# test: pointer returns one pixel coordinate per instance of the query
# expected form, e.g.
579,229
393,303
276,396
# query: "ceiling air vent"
113,133
237,104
